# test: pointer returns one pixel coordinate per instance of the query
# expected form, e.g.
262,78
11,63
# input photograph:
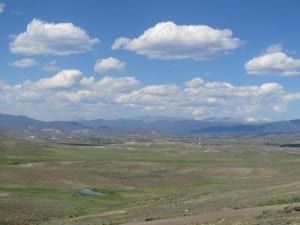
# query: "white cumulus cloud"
109,64
194,82
24,63
273,61
63,79
41,37
167,40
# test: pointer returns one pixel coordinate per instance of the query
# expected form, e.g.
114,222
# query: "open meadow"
228,181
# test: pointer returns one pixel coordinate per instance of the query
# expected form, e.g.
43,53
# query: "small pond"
88,191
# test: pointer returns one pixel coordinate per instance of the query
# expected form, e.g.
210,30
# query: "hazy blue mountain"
179,126
29,126
148,124
12,121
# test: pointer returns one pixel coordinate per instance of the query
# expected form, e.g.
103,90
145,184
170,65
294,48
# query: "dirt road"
232,214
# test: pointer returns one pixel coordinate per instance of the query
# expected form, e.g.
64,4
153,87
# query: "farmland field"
40,182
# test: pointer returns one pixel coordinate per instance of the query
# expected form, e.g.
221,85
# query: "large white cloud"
41,37
109,64
273,61
2,6
24,63
166,40
74,95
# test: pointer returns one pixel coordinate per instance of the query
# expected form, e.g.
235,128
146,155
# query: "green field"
39,181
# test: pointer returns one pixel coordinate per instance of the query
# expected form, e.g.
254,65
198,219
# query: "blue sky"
109,59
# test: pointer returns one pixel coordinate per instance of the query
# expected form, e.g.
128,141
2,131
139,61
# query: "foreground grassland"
39,182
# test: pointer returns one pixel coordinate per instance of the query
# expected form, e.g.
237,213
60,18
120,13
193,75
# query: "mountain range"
151,125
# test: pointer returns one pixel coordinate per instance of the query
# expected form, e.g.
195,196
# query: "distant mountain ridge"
166,125
25,122
170,126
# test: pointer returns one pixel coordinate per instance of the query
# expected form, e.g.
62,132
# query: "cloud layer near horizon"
71,94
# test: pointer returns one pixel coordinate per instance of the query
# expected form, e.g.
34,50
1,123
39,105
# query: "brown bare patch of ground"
4,194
